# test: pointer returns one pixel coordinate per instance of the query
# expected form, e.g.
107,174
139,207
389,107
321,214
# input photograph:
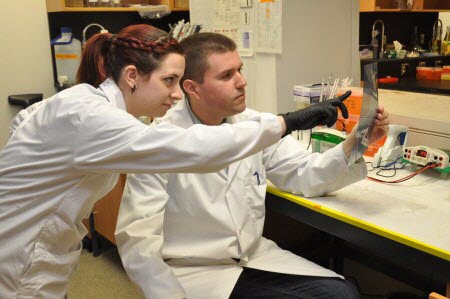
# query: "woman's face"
155,95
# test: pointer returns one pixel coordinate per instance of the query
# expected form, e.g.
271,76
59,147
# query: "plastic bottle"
414,45
93,3
67,56
446,43
104,3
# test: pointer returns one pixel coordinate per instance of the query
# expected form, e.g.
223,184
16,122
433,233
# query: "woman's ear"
191,88
130,75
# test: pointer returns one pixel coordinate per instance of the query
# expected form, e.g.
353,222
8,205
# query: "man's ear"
130,75
191,88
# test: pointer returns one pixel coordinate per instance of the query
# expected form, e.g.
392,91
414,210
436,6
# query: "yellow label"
66,56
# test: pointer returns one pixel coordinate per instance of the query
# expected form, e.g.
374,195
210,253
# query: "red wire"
406,177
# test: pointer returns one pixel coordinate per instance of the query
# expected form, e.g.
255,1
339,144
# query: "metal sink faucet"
383,37
103,30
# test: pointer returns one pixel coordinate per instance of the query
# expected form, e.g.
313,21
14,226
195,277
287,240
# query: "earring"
133,88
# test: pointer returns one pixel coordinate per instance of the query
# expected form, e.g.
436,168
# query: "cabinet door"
106,210
366,5
179,4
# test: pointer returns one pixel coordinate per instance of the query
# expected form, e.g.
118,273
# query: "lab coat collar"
113,93
231,169
195,119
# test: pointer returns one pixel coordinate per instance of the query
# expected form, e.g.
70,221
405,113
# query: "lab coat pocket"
255,193
53,261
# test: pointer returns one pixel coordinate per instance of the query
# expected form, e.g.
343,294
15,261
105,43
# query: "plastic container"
348,124
93,3
324,139
373,148
446,69
388,80
428,73
67,56
354,101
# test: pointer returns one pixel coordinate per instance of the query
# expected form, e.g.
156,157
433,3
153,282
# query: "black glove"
323,113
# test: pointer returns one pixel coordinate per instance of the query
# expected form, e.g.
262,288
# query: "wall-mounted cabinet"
82,5
402,5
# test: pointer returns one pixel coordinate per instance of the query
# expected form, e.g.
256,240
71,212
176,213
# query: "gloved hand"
323,113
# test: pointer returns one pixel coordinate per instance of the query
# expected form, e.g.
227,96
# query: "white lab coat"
67,152
203,221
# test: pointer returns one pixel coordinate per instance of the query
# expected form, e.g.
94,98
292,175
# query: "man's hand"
323,113
381,127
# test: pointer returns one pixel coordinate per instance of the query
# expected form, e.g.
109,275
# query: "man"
200,235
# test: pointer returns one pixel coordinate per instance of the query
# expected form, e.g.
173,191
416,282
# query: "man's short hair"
197,48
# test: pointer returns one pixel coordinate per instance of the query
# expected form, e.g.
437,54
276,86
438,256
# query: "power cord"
427,166
387,167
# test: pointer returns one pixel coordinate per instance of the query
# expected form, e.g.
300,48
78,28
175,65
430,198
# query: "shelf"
407,11
418,6
61,6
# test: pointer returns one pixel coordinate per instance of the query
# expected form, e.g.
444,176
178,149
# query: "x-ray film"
368,112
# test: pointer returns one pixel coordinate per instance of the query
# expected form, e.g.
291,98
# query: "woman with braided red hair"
66,152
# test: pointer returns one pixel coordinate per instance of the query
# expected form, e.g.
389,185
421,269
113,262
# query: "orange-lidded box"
373,148
446,69
428,73
348,124
354,101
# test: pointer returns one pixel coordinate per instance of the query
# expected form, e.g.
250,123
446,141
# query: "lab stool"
24,100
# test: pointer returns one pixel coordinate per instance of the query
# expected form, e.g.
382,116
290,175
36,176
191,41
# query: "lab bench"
402,230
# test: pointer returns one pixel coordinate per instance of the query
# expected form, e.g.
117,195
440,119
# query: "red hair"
105,55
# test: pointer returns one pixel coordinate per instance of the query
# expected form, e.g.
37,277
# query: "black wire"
383,168
343,125
407,177
309,143
394,168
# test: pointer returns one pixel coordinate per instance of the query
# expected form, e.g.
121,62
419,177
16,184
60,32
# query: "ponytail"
105,55
91,69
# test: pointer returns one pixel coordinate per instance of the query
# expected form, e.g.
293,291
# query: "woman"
67,151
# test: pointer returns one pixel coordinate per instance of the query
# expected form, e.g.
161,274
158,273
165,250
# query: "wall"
319,38
112,21
398,26
25,57
445,18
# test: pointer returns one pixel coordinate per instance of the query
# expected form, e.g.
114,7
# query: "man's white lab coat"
67,152
203,221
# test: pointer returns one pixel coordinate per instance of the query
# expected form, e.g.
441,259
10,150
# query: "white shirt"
177,233
67,152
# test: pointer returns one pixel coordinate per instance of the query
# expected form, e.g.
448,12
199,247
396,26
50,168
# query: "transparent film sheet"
368,112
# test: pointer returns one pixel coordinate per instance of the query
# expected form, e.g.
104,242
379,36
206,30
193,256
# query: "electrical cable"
428,166
383,168
309,143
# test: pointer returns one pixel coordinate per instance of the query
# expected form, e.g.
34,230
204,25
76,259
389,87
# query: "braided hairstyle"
105,55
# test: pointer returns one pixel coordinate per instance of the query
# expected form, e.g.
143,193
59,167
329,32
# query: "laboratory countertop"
414,85
429,111
415,212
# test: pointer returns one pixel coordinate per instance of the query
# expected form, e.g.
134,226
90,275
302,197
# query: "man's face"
223,89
